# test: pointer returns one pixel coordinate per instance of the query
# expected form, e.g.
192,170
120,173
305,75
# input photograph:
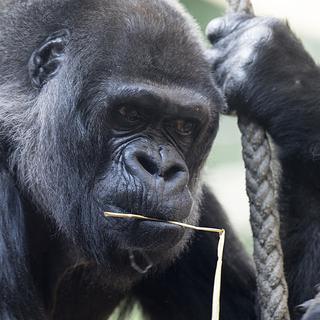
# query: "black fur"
108,105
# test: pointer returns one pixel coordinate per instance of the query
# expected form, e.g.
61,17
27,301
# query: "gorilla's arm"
18,299
267,75
185,290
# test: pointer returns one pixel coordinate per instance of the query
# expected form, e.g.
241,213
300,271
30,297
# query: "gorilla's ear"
46,60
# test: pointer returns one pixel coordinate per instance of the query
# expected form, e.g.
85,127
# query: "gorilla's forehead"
150,40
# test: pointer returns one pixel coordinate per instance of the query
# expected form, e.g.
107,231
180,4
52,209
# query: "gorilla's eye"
130,115
125,117
185,127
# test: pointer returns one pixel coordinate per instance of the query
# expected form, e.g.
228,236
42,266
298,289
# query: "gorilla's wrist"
286,106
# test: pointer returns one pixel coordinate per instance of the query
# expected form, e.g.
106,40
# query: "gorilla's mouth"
149,235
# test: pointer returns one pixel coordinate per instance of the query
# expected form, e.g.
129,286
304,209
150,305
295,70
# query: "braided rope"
264,216
264,219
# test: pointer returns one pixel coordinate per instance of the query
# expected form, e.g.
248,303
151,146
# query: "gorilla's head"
108,105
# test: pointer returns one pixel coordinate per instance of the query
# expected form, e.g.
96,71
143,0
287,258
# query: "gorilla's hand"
310,309
250,51
237,41
266,75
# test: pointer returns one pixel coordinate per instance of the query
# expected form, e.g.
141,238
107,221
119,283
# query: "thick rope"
264,219
264,216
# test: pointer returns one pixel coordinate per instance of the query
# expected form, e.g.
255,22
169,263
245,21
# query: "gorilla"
112,105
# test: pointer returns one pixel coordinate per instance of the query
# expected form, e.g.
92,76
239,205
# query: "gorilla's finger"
216,29
303,307
214,57
219,28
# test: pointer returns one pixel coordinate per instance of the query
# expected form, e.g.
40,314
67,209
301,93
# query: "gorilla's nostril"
172,172
169,169
148,164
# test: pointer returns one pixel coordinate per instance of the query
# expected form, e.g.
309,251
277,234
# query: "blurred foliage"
227,147
203,11
313,47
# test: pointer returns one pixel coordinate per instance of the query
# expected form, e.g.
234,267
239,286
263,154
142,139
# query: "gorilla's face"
154,132
125,117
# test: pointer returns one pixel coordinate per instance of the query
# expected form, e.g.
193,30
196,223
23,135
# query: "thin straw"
222,233
217,278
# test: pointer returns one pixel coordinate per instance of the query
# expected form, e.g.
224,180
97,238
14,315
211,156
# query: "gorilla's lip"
144,234
152,235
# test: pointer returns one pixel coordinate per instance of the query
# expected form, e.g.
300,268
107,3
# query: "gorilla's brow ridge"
171,99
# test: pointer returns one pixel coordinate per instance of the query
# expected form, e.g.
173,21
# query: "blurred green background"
224,171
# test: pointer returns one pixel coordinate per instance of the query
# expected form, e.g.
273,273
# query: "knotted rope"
264,216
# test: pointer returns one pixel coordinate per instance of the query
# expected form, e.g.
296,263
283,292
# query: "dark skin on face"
151,139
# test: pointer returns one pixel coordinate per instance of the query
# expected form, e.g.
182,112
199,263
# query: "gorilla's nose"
169,169
166,165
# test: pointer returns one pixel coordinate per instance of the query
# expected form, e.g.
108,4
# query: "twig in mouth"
181,224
